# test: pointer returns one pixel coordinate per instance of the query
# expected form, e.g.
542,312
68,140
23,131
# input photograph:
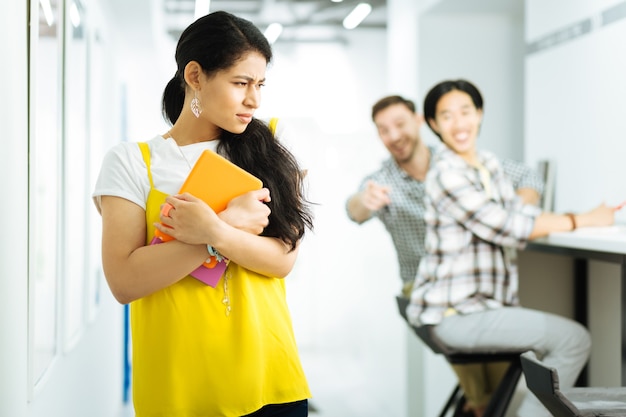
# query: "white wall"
575,87
574,103
486,49
86,377
544,17
13,248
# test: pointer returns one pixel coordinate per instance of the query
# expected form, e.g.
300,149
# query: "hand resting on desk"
547,223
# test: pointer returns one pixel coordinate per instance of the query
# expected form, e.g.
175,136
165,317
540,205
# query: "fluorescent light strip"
47,11
273,31
74,15
202,8
356,16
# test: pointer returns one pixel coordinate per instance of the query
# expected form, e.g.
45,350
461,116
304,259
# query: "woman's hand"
602,215
189,219
547,223
192,221
248,212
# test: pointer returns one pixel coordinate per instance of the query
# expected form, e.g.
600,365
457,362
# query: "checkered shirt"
468,265
404,217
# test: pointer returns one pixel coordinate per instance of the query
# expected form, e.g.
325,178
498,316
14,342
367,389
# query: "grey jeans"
559,342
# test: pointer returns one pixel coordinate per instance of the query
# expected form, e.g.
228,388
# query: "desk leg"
623,319
581,309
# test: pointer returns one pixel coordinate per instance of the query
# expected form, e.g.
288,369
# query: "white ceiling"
302,20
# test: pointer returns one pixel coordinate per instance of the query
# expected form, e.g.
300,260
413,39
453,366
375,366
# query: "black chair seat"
501,398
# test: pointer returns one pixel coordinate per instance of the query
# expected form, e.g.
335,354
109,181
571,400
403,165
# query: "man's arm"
362,205
527,182
529,196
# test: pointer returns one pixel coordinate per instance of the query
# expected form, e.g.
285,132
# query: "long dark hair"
217,41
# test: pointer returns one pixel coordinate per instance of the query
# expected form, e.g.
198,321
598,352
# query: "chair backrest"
547,169
403,303
543,382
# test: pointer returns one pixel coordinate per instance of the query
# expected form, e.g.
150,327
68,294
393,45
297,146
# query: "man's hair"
385,102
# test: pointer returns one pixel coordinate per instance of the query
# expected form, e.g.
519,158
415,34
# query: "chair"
501,398
547,169
543,382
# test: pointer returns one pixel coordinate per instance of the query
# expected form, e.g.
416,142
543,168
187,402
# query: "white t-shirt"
124,173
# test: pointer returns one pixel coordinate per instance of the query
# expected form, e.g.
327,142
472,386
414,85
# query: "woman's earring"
196,108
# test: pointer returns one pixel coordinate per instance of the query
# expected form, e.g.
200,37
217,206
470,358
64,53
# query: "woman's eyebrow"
249,78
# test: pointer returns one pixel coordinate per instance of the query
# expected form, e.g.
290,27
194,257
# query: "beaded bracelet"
214,253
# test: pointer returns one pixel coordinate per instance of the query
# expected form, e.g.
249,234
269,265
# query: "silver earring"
196,108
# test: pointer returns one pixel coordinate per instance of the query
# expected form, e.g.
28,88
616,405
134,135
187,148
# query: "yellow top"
191,359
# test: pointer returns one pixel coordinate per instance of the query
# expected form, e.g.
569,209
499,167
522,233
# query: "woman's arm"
265,255
132,269
547,223
493,222
247,212
194,222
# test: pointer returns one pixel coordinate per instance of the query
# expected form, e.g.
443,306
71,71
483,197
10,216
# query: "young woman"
199,350
467,282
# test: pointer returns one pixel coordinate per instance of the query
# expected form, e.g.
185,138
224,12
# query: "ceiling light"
47,11
357,15
74,15
273,31
336,1
202,8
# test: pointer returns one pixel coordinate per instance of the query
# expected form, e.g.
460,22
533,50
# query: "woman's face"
230,97
457,120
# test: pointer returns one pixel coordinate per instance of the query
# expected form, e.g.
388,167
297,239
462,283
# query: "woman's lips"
245,117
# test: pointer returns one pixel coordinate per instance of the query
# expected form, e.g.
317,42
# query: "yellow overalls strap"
272,125
145,152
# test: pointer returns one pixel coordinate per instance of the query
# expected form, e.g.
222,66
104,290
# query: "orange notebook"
215,180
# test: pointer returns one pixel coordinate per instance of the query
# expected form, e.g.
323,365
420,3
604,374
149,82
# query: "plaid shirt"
472,224
404,217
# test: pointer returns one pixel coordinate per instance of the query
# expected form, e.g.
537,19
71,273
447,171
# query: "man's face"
398,128
457,121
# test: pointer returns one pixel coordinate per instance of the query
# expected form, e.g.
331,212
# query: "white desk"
610,239
603,244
